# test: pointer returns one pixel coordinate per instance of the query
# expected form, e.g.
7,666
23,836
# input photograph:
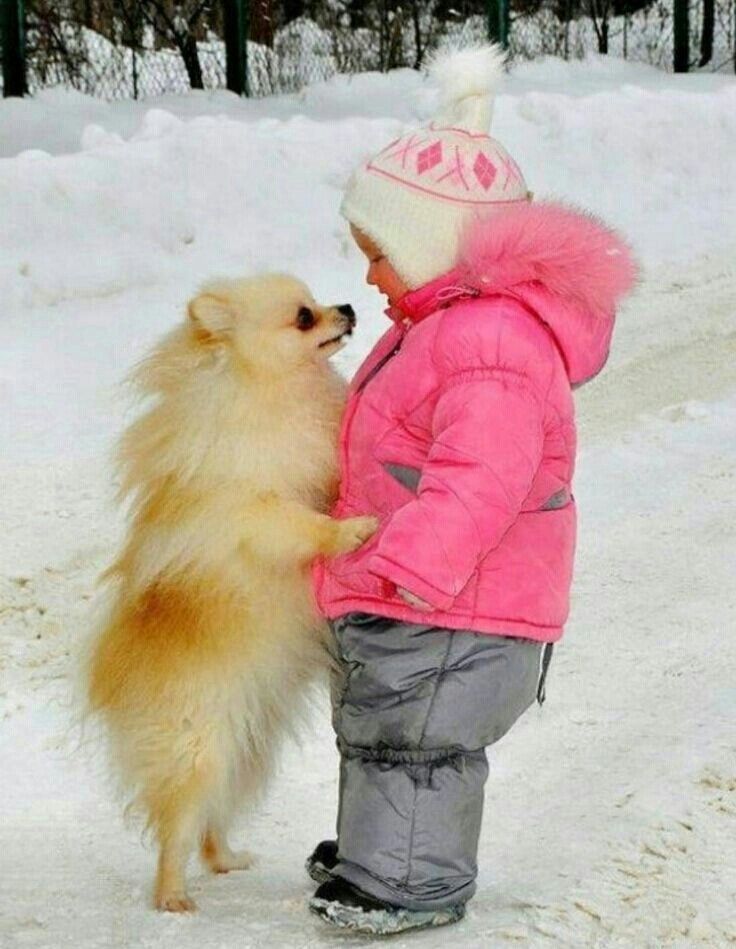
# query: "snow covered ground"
611,813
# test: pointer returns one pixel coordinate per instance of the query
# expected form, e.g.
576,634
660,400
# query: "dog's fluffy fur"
211,640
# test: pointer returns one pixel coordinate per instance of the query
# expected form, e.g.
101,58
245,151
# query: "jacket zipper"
380,364
355,400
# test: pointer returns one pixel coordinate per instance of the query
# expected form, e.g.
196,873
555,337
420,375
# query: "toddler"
459,436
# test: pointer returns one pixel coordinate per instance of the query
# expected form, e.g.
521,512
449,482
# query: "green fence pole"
236,45
498,22
681,29
12,36
245,6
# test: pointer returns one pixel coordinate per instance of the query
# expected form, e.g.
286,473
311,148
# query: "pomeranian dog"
211,640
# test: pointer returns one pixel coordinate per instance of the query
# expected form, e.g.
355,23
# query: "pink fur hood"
563,264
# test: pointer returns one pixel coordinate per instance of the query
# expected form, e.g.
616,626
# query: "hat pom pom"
468,79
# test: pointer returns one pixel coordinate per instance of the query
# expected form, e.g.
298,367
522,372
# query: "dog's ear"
211,316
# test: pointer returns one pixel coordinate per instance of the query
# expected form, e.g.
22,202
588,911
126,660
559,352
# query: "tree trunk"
357,12
292,10
261,22
383,37
190,54
706,37
599,10
419,49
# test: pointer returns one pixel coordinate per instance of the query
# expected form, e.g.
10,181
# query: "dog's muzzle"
348,319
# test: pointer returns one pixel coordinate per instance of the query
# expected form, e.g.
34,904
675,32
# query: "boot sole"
383,922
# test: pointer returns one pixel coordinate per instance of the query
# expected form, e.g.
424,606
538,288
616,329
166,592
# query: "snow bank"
151,196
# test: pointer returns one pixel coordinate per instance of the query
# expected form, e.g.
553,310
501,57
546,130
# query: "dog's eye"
305,319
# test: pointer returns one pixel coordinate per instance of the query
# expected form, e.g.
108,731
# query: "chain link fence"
141,48
645,35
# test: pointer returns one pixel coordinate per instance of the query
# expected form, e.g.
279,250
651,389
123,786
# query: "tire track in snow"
675,341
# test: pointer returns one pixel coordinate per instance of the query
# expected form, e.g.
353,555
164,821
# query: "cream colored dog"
211,639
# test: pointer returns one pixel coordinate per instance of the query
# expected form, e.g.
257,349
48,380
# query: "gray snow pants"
414,708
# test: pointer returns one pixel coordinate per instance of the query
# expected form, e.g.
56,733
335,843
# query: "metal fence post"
681,29
498,22
236,45
708,26
12,37
134,63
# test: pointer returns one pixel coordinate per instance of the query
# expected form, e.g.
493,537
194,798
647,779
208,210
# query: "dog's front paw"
354,531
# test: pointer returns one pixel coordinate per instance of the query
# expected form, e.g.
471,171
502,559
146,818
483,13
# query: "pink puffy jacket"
459,433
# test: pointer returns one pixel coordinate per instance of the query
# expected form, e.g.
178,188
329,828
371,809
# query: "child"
459,435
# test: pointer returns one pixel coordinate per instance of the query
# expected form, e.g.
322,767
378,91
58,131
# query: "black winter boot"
343,905
322,861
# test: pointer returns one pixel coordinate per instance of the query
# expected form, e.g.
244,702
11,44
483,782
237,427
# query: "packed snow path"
610,814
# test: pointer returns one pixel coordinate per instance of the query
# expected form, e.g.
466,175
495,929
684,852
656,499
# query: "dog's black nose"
347,311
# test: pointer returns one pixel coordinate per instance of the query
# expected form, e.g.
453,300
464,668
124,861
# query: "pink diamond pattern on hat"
429,157
451,164
485,171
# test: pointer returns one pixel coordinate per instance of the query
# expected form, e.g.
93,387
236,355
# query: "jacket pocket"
356,618
407,476
557,501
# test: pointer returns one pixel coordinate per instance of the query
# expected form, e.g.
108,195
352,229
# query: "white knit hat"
414,198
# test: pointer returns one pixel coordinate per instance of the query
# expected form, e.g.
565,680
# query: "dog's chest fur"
284,437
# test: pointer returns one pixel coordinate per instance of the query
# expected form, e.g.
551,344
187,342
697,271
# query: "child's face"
380,272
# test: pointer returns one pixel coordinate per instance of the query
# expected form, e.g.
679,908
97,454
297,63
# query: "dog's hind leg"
178,828
178,816
247,780
217,854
